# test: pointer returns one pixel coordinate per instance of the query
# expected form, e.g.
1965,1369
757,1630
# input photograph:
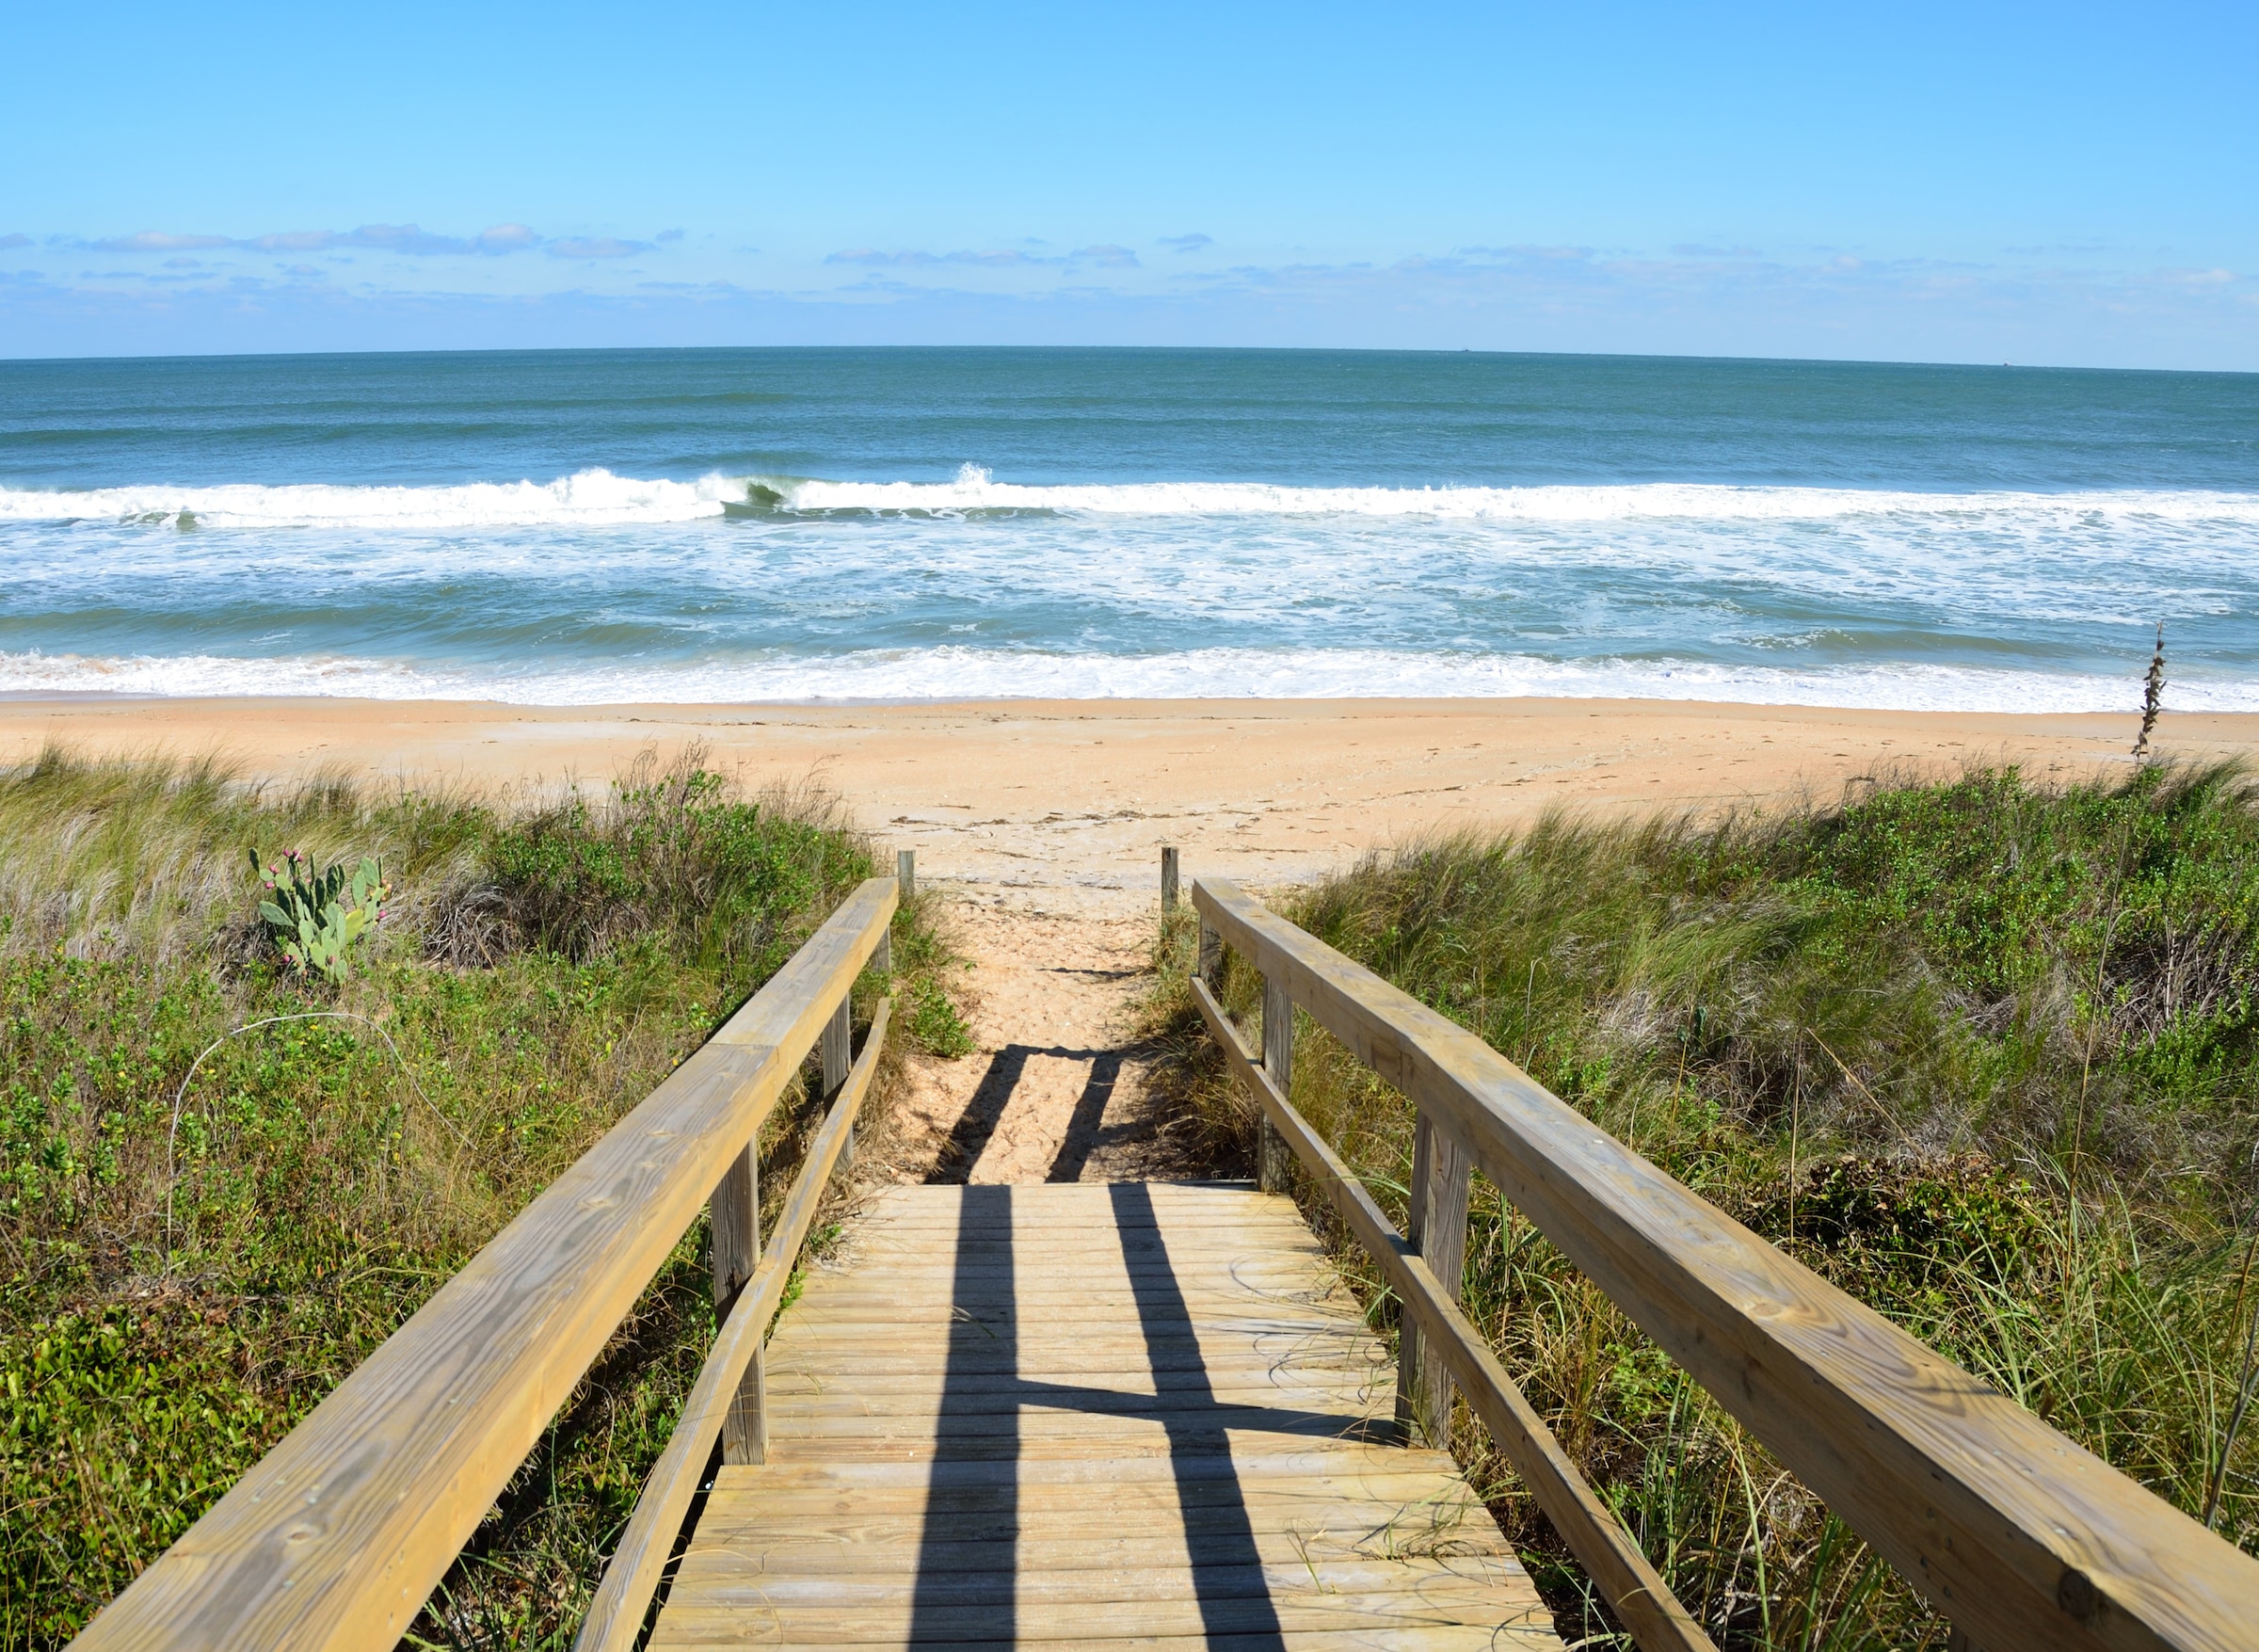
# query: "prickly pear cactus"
317,917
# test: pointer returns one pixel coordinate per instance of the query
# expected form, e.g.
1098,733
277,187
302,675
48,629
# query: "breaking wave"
599,498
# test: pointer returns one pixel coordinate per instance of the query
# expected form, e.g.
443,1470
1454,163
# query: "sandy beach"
1065,803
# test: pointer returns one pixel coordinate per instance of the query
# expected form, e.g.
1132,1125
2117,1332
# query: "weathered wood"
1356,1462
1168,880
734,1216
2025,1539
906,873
1437,1228
1210,966
1278,1063
1443,1602
1005,1448
624,1596
838,1048
336,1537
1626,1579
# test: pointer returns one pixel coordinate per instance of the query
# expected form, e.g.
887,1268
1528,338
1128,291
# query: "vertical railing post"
734,1216
1435,1222
1211,957
1168,880
838,1048
1278,1064
905,885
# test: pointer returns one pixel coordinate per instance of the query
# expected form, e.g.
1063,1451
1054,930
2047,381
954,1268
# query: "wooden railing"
336,1538
2020,1537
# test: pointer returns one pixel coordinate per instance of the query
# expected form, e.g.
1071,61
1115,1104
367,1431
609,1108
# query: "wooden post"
837,1047
1436,1226
1168,880
905,881
1278,1061
735,1215
1211,957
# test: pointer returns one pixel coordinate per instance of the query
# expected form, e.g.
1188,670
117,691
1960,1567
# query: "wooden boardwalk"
1106,1414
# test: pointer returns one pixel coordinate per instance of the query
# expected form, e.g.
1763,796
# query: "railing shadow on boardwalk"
985,1110
973,1497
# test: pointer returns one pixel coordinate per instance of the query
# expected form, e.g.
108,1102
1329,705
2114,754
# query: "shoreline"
1065,803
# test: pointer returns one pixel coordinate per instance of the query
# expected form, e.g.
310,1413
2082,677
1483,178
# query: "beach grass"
182,1288
1978,1050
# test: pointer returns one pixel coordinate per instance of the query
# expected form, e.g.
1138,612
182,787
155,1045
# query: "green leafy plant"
935,1023
316,917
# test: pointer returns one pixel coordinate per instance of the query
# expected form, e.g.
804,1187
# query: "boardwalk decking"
1106,1414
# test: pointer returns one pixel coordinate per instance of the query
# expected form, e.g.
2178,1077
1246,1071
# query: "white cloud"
406,238
596,246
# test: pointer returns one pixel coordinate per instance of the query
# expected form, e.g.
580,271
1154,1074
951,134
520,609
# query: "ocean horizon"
935,523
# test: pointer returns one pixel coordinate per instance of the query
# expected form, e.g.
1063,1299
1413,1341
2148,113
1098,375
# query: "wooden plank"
1348,1475
1626,1579
1040,1344
1438,1603
1438,1229
1272,1158
2022,1537
336,1537
1319,1513
734,1217
836,1050
1069,1253
721,1583
1347,1461
1295,1280
1394,1638
1113,1366
622,1599
1036,1420
956,1399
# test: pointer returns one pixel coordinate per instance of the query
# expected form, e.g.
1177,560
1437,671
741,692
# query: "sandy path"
1056,1090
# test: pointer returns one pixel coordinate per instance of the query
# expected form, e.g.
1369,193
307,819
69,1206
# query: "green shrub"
935,1021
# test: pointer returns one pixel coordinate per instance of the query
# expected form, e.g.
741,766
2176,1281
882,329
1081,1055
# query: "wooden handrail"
616,1615
1638,1596
336,1537
2020,1536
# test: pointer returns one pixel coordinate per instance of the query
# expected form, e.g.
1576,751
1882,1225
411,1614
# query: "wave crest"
599,498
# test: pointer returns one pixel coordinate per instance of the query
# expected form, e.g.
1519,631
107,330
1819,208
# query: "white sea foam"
600,498
961,673
975,489
590,498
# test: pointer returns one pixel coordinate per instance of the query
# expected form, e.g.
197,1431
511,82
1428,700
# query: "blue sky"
2061,184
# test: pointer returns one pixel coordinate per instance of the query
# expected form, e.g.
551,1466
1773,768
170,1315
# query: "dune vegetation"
1978,1050
191,1265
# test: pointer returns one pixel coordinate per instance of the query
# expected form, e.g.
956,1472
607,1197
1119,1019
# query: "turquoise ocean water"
590,526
